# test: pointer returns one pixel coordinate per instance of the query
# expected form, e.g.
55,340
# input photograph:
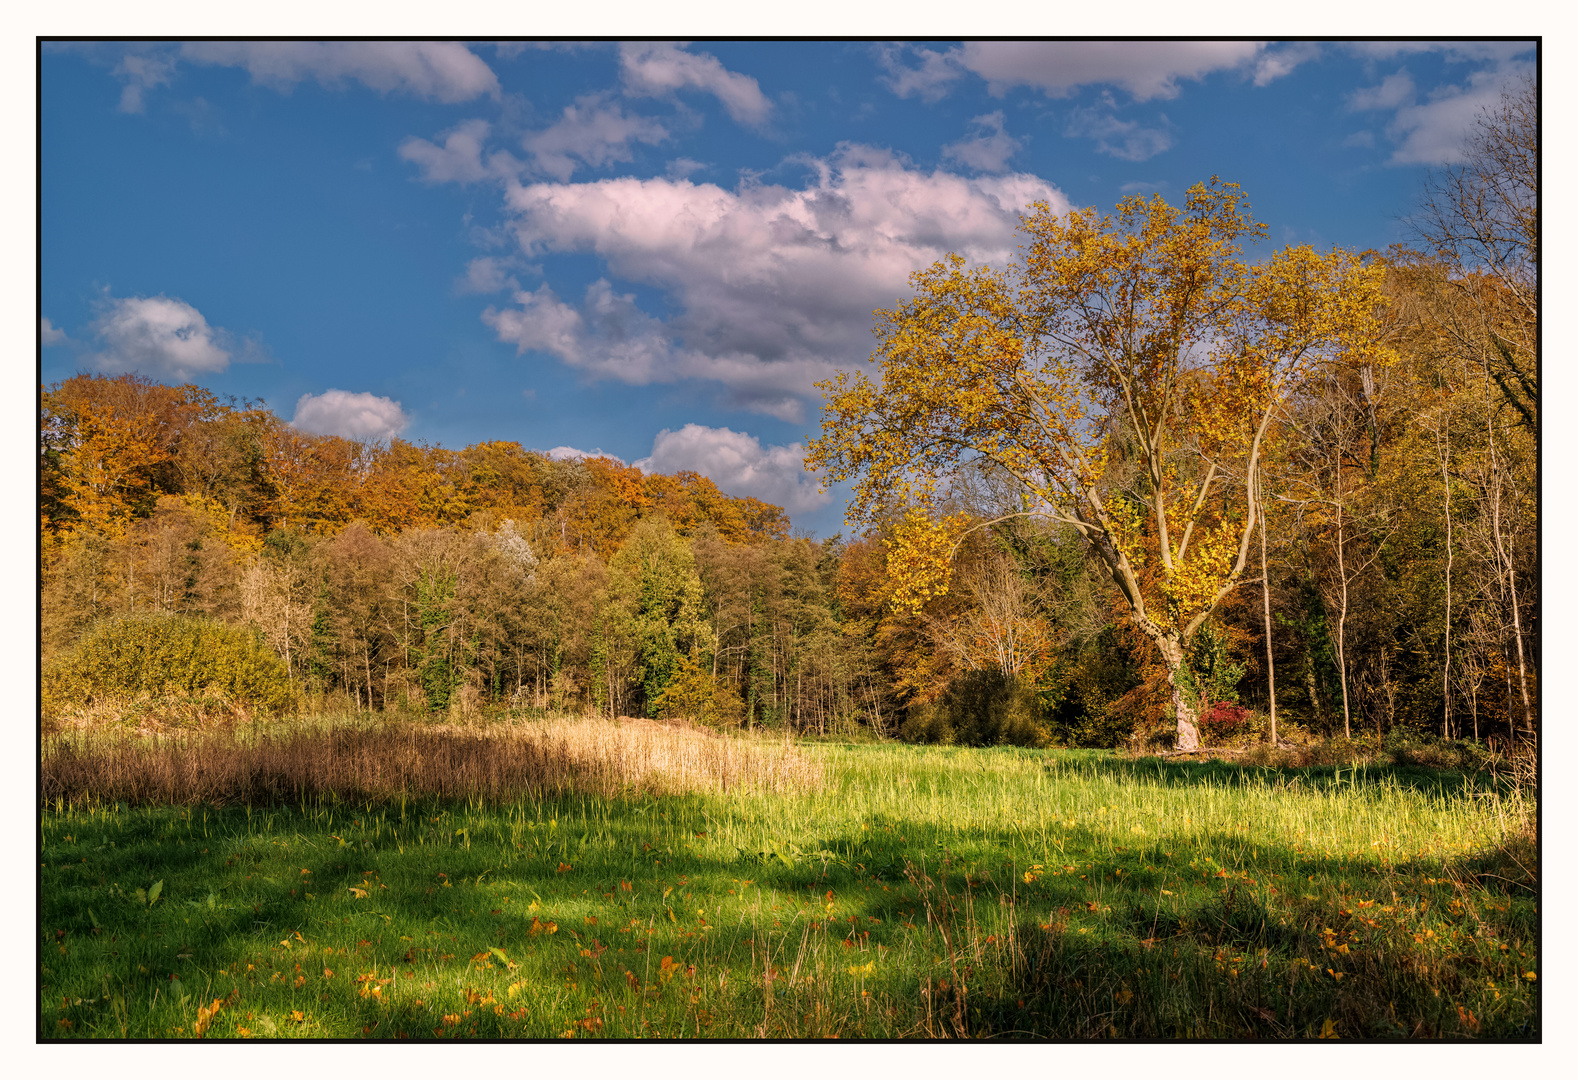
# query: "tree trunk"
1444,452
1342,629
1183,693
1265,594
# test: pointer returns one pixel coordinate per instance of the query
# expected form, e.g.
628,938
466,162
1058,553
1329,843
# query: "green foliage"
148,658
1095,673
980,708
432,651
1318,682
693,693
655,608
1215,676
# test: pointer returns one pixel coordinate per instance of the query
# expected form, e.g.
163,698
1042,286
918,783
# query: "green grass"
923,892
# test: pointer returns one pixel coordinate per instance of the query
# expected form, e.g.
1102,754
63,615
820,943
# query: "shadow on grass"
1223,953
1175,773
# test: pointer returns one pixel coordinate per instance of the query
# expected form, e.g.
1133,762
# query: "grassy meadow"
590,880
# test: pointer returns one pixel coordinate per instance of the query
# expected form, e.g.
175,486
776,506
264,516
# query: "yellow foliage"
1124,370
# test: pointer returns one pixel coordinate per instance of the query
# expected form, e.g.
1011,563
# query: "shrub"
980,708
926,722
1225,722
146,661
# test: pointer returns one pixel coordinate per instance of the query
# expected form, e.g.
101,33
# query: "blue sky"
651,250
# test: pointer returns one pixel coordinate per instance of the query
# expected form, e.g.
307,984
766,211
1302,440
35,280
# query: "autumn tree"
652,616
108,448
1142,338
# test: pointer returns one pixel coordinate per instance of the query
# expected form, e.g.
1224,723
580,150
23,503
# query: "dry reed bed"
408,761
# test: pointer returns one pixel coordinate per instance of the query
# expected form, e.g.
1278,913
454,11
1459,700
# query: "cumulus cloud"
594,131
49,334
1126,139
739,464
659,69
988,149
158,336
1146,69
443,71
350,416
774,286
607,336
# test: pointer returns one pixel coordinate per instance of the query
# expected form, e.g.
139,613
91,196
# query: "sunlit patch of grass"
917,892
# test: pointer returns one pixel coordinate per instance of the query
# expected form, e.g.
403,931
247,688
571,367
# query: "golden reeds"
411,761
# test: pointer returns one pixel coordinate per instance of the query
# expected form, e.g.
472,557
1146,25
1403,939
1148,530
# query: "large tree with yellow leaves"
1125,370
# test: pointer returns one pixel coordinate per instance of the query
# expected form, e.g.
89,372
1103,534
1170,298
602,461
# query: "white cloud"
1434,131
1126,139
350,416
1277,62
658,69
609,337
141,72
1395,90
1473,51
930,81
49,334
774,286
1146,69
459,160
444,71
488,274
681,167
159,337
989,149
739,465
570,453
593,131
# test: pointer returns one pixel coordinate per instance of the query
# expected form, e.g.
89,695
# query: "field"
664,883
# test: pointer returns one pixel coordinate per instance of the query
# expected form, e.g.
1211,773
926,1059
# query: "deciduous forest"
1351,439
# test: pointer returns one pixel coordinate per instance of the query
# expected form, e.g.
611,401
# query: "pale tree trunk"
1444,452
1183,694
1265,595
1342,623
1504,557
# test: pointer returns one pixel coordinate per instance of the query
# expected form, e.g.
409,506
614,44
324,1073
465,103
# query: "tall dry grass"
409,761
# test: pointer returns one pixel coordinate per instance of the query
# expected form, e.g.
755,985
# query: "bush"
1226,722
143,662
980,708
1100,692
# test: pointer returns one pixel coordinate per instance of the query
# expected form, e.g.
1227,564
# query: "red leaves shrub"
1225,720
